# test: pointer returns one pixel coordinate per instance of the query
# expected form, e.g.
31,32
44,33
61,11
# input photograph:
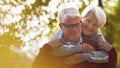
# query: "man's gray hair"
99,13
72,12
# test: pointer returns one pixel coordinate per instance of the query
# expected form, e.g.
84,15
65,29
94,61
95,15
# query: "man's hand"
104,45
74,59
87,47
55,43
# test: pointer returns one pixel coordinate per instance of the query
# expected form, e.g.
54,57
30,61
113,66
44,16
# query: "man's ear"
60,26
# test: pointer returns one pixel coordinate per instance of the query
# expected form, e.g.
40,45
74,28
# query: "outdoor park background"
25,25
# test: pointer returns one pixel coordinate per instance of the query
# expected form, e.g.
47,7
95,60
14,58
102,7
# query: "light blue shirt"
68,48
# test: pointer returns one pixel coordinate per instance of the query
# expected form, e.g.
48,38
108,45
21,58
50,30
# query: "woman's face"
90,24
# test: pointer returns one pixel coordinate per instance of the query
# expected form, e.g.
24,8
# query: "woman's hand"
74,59
87,47
104,45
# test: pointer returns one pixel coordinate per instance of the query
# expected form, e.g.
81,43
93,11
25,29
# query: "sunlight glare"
32,23
10,19
94,3
5,7
31,48
1,2
86,2
17,10
113,2
44,18
28,2
3,30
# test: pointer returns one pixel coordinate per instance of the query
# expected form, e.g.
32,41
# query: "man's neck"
71,41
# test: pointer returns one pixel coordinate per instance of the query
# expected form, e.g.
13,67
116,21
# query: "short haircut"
72,12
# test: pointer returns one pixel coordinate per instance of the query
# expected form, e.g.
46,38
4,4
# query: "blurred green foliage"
112,28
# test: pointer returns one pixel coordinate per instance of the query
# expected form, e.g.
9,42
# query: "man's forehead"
72,19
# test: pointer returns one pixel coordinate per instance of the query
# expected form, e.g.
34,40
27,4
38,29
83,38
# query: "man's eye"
88,21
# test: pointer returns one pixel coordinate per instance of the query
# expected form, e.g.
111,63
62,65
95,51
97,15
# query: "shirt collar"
71,43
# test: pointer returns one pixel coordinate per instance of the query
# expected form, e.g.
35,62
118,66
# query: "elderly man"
93,19
50,54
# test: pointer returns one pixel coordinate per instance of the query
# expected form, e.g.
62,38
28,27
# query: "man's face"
71,29
90,24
